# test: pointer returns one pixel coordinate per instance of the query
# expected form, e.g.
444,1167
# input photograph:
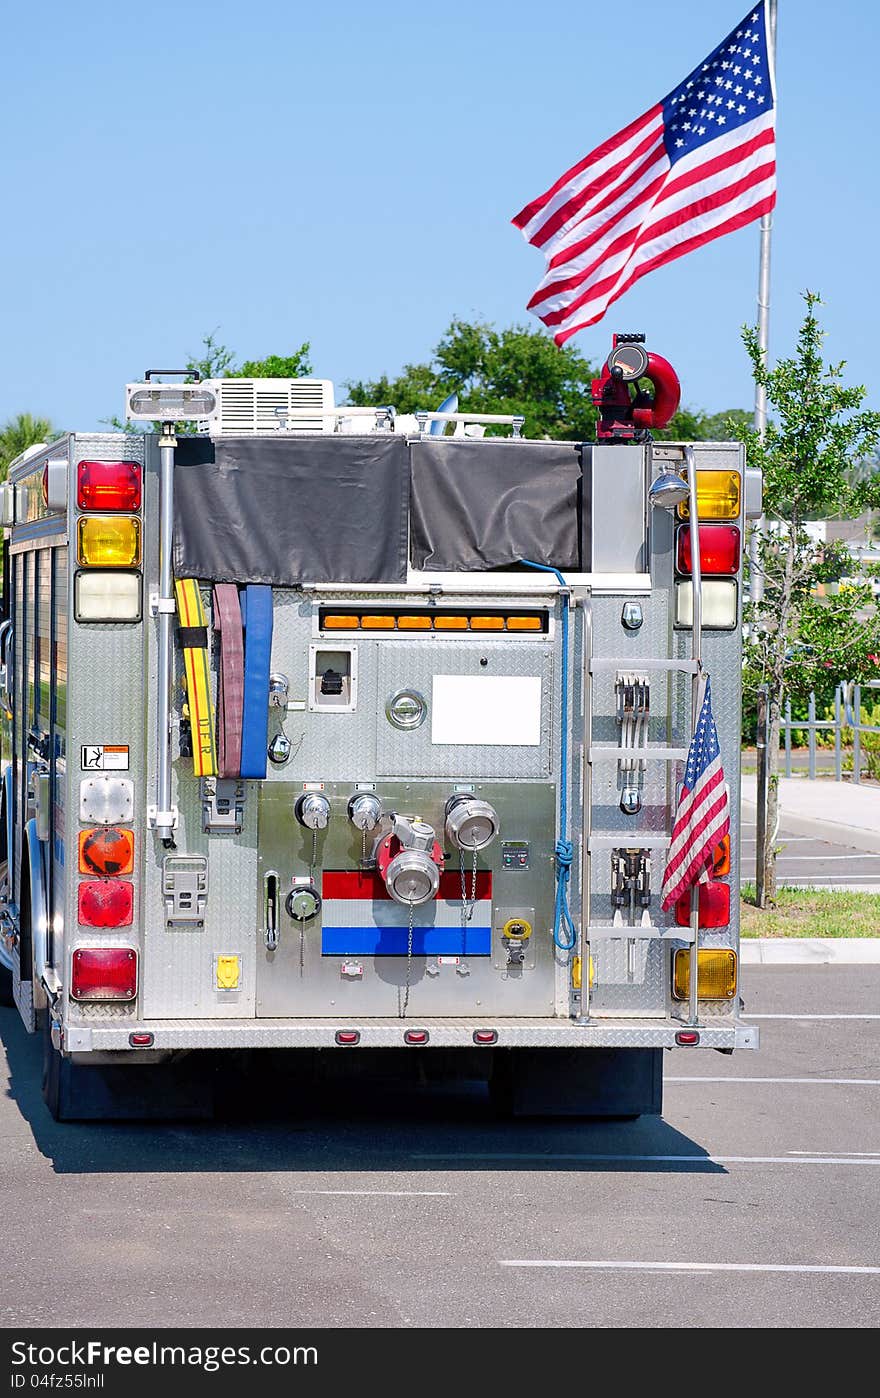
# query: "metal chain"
302,944
409,957
314,850
467,904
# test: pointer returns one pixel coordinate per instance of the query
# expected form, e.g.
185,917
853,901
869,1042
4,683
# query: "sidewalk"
836,811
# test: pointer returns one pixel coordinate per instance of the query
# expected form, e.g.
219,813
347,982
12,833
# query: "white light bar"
99,596
719,605
168,402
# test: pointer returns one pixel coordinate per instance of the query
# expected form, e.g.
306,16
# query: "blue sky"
346,173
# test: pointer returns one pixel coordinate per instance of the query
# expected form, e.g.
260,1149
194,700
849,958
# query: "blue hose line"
564,933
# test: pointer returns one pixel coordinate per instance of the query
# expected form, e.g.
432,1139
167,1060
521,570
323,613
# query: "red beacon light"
719,550
628,411
108,485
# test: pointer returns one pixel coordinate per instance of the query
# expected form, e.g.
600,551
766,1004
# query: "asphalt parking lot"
752,1202
805,861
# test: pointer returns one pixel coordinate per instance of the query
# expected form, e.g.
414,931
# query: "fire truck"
331,731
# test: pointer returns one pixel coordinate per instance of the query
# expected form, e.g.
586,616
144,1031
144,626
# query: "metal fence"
847,714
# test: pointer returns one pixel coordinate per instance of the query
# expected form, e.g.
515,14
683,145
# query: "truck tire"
617,1084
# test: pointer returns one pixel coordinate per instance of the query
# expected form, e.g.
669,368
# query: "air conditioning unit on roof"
270,405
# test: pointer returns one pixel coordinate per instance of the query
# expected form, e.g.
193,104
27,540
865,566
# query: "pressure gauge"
630,359
470,824
303,902
312,810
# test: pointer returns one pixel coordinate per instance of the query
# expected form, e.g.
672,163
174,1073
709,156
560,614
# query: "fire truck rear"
335,732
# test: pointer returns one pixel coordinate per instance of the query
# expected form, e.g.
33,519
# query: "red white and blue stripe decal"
360,918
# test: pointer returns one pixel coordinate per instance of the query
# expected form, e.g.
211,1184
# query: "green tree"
516,370
809,624
19,433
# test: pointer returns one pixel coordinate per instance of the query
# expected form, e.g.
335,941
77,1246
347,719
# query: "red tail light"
416,1036
719,549
347,1038
104,973
714,906
108,485
687,1038
485,1036
105,903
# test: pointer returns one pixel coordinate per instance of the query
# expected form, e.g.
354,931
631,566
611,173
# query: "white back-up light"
719,604
100,596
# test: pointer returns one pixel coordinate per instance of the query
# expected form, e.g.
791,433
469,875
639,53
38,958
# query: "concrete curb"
850,835
810,951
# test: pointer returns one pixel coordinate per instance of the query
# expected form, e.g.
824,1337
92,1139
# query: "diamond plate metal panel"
188,1034
404,665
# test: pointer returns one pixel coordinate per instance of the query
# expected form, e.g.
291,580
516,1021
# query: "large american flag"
699,164
703,816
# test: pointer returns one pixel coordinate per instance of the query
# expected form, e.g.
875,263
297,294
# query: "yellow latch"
228,972
576,973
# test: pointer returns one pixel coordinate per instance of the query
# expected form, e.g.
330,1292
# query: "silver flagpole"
756,577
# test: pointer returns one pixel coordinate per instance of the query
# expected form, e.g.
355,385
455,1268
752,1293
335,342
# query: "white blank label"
486,710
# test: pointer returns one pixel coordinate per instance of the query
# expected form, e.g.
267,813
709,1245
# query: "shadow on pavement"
272,1122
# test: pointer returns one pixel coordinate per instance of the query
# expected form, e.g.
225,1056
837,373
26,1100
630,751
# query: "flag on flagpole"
697,165
703,815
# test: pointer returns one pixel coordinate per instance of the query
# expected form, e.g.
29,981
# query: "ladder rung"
607,932
634,663
626,839
608,753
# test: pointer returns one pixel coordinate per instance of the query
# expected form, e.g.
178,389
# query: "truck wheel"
5,971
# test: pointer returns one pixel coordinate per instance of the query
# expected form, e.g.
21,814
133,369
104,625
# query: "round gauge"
632,360
406,709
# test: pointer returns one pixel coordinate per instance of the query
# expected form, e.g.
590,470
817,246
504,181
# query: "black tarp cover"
291,510
488,503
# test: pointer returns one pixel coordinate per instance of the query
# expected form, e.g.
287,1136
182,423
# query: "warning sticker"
102,757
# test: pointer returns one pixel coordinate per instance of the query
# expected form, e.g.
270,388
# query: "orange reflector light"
340,623
450,623
413,623
487,623
107,542
377,623
716,974
721,858
524,623
718,496
106,850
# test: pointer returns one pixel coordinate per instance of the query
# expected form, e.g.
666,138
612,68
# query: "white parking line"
831,1082
787,1016
384,1193
823,858
704,1267
633,1159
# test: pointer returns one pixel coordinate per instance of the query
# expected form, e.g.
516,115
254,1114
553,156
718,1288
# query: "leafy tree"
516,370
20,432
810,625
